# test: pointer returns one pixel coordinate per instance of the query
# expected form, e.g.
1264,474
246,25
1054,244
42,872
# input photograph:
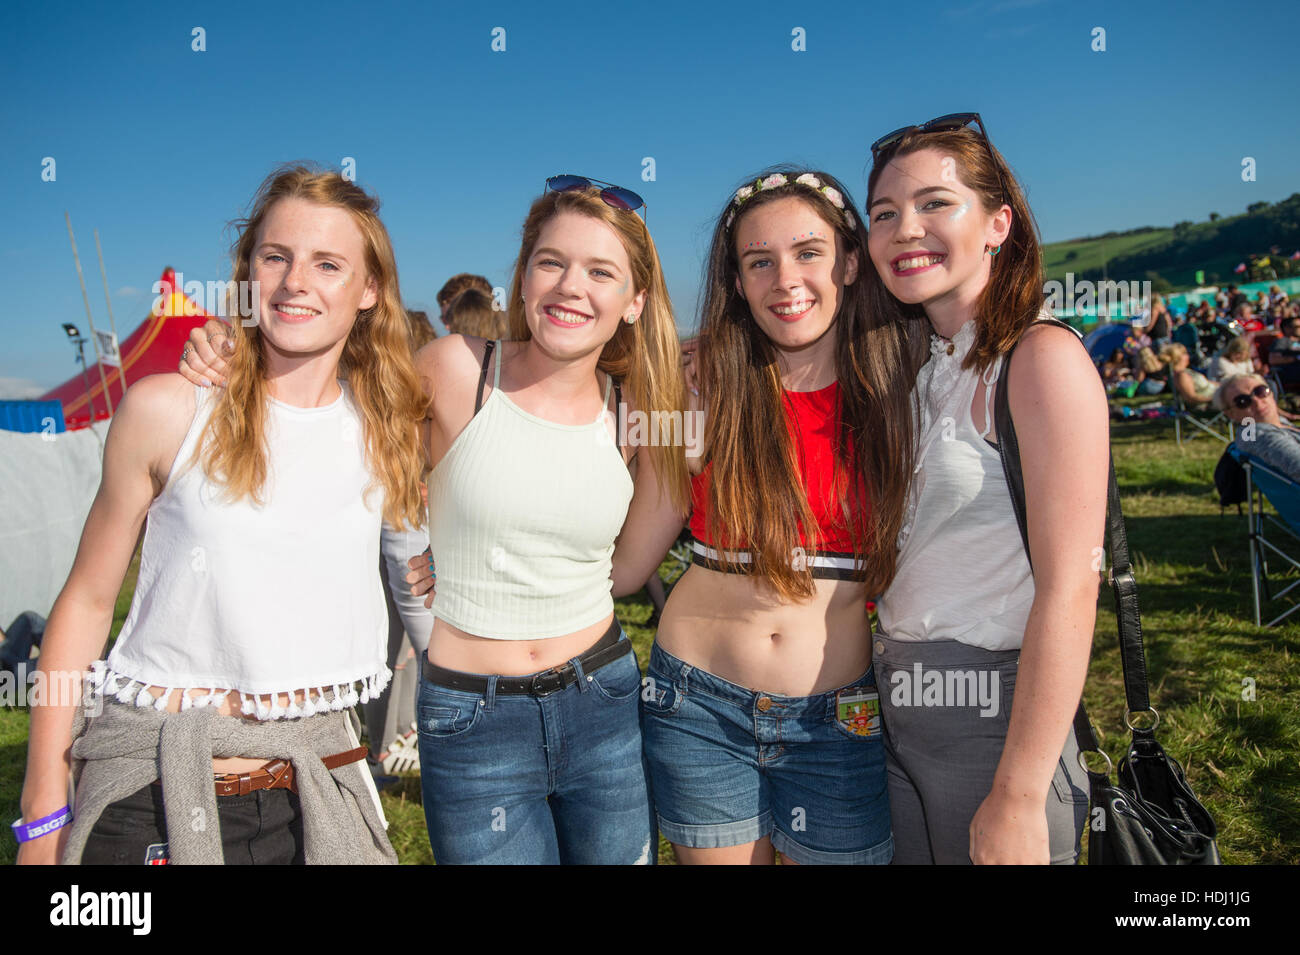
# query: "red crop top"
812,418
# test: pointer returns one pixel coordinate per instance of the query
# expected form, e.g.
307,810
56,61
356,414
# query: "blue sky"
158,146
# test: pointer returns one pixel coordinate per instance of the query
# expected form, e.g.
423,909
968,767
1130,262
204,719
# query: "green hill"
1170,257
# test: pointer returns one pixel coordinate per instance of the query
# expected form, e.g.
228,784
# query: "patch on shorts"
156,854
858,710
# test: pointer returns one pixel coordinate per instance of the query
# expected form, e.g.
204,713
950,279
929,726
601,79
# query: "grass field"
1241,755
1088,254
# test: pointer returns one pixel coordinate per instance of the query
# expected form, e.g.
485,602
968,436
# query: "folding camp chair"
1283,493
1198,420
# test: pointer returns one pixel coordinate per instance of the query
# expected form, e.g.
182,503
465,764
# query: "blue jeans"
542,780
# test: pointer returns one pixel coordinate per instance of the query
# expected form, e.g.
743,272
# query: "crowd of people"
1193,352
846,367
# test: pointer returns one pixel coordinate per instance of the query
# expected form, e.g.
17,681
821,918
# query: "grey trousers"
946,708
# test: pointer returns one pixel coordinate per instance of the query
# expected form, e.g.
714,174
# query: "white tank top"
962,571
523,513
262,600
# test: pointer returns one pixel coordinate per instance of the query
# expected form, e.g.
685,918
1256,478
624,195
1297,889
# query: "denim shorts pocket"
660,696
442,716
618,681
862,716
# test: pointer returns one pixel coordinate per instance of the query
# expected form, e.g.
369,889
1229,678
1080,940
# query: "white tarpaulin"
46,488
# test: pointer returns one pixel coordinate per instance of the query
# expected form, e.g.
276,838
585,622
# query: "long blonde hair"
646,355
376,360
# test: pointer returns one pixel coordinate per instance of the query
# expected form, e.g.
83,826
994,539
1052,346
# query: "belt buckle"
554,677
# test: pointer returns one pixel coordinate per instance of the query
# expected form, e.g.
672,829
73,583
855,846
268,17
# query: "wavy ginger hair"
376,360
646,355
1013,297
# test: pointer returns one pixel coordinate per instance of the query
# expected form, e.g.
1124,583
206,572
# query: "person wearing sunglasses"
530,745
529,738
1249,402
981,660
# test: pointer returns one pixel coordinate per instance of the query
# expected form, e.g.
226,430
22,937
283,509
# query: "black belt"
606,650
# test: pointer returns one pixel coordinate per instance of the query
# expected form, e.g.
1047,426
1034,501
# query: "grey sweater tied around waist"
127,747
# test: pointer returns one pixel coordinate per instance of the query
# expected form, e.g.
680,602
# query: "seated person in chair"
1261,432
1284,355
1193,387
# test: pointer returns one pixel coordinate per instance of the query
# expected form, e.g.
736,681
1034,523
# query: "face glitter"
960,211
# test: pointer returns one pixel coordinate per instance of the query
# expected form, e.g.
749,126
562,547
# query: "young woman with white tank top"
966,629
257,621
530,750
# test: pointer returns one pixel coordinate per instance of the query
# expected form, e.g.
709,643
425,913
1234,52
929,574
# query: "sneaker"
403,754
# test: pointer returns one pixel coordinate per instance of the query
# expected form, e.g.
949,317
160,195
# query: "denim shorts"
729,765
542,780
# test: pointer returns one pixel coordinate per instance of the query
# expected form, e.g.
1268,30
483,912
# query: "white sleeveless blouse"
262,600
962,571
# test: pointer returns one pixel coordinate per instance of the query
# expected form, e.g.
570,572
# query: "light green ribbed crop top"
523,513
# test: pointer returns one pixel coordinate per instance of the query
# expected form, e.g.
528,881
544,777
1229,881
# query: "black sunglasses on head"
940,124
1259,391
615,196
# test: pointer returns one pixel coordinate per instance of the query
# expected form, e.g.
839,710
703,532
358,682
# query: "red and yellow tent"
152,348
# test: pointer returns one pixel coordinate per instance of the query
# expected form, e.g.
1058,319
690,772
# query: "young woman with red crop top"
761,715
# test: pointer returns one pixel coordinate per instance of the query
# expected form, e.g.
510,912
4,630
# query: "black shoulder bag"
1151,816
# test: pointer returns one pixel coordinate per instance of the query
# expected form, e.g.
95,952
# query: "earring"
992,252
630,317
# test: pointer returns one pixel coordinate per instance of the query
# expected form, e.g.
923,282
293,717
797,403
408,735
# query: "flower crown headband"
778,179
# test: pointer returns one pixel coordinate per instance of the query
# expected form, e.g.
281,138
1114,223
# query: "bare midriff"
454,649
737,628
230,706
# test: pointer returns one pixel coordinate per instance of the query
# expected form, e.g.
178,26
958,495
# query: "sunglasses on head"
940,124
615,196
1259,391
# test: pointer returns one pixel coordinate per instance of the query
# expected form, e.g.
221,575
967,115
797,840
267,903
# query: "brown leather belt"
277,774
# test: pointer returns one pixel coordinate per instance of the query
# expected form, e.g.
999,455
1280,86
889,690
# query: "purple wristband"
27,831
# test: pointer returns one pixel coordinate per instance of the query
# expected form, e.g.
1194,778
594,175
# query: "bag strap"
1123,584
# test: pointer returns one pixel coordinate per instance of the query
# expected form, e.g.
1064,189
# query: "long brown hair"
376,360
646,355
756,494
1013,297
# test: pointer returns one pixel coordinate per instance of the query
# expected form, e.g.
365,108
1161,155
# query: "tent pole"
94,340
112,323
